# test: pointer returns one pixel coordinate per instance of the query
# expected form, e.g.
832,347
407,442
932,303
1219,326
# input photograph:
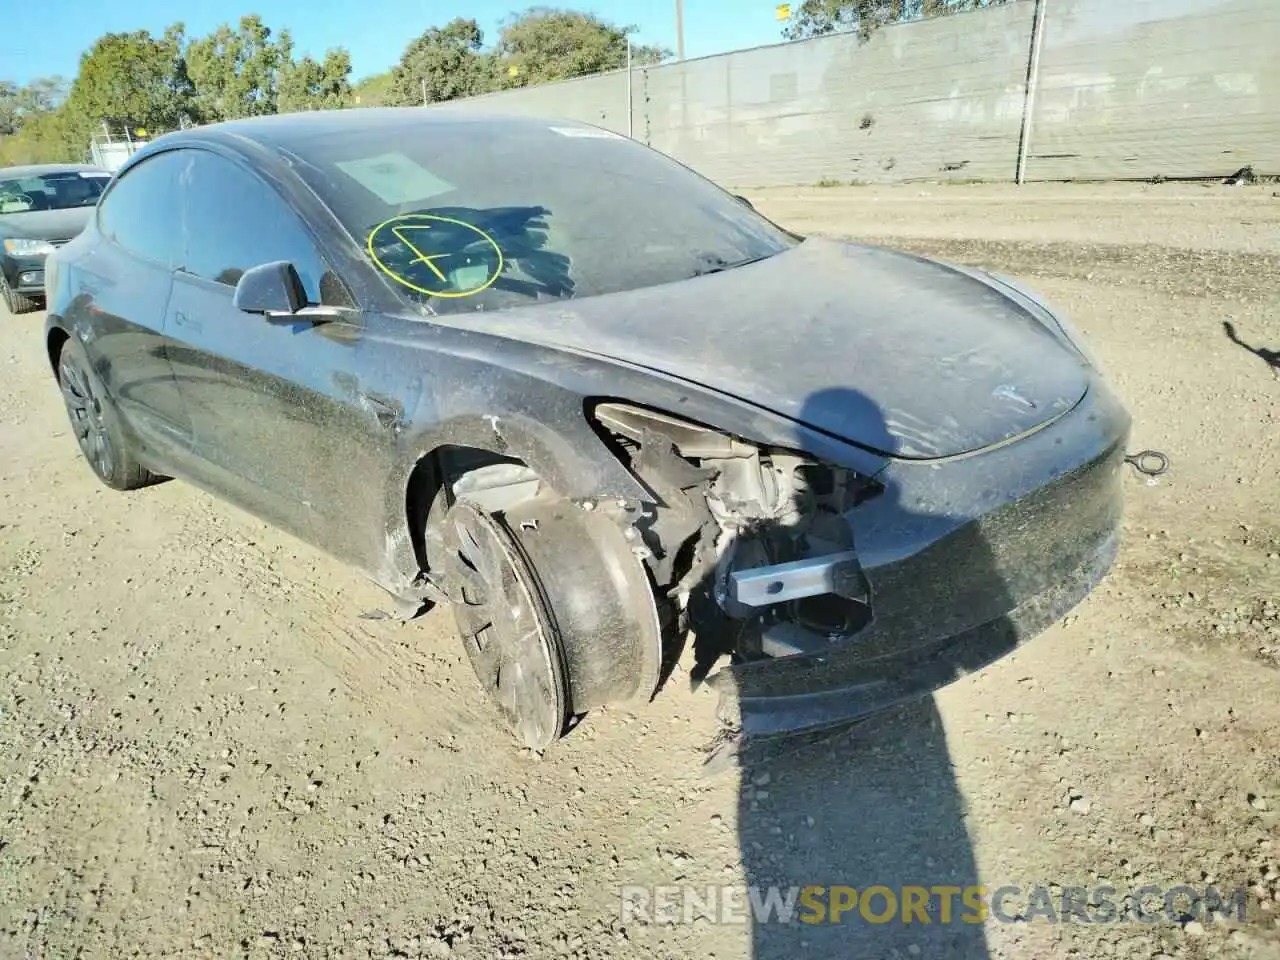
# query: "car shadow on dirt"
849,820
860,816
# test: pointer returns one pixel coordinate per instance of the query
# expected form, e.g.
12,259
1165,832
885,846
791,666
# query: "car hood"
897,353
46,224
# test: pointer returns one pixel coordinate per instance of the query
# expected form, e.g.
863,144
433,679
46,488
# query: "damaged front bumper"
966,558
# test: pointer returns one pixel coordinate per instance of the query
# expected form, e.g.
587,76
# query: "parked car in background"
41,208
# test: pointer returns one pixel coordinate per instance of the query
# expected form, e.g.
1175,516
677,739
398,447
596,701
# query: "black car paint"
318,427
826,314
966,563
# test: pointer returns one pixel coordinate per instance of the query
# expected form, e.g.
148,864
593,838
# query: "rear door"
279,419
121,288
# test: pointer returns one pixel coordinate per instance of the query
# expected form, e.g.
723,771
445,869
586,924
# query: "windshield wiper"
731,265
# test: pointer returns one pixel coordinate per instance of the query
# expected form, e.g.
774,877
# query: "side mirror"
273,289
744,201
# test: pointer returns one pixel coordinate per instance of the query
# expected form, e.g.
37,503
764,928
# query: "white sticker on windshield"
590,133
94,175
394,178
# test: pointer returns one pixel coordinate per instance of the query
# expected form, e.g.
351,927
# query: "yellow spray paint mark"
413,230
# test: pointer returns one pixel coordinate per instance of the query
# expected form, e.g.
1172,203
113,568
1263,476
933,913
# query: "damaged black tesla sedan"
551,377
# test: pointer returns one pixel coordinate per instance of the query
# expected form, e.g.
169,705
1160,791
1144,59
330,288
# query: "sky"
374,33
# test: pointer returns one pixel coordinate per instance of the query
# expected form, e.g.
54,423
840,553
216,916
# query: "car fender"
568,456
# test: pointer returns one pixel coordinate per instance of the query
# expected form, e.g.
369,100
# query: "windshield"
62,190
476,215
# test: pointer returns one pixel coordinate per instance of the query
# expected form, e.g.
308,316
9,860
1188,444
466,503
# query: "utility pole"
679,29
630,105
424,91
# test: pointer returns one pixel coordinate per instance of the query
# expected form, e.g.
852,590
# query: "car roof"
293,131
40,169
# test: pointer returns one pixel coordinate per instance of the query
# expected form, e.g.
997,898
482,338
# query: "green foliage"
817,18
18,104
236,72
544,44
161,83
443,64
43,138
538,46
307,85
135,77
125,76
373,91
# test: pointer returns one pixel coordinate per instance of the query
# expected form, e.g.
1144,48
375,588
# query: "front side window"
59,190
467,214
142,211
235,221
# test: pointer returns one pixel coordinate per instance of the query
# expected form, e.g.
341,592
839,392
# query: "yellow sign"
434,250
513,71
783,12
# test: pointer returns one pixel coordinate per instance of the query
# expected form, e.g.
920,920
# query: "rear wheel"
16,302
95,423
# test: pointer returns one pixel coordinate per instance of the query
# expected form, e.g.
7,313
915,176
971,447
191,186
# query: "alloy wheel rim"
505,630
88,420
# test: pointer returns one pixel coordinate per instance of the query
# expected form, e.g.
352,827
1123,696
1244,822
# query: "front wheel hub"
502,617
556,611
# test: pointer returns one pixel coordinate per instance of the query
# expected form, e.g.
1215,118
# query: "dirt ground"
206,751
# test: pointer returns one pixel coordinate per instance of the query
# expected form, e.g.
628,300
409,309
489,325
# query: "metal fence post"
630,103
1029,97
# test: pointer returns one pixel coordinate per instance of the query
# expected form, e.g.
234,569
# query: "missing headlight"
752,544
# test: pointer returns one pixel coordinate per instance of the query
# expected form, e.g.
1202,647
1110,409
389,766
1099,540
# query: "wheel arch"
573,462
55,340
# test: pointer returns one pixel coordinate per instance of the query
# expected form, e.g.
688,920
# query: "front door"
125,283
279,416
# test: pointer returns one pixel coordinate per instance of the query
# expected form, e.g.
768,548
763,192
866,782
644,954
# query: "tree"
236,72
18,104
544,44
132,76
816,18
307,85
43,137
444,63
374,91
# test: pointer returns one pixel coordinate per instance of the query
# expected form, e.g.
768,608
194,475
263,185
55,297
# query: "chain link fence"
1032,90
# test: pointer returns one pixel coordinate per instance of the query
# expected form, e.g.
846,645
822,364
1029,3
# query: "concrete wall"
1123,89
941,98
1143,88
599,99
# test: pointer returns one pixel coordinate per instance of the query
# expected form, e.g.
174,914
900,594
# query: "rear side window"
142,211
236,221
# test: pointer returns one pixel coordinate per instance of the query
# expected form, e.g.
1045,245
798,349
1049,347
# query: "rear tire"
16,302
95,422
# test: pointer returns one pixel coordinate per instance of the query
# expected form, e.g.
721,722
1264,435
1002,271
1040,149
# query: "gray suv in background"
41,207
